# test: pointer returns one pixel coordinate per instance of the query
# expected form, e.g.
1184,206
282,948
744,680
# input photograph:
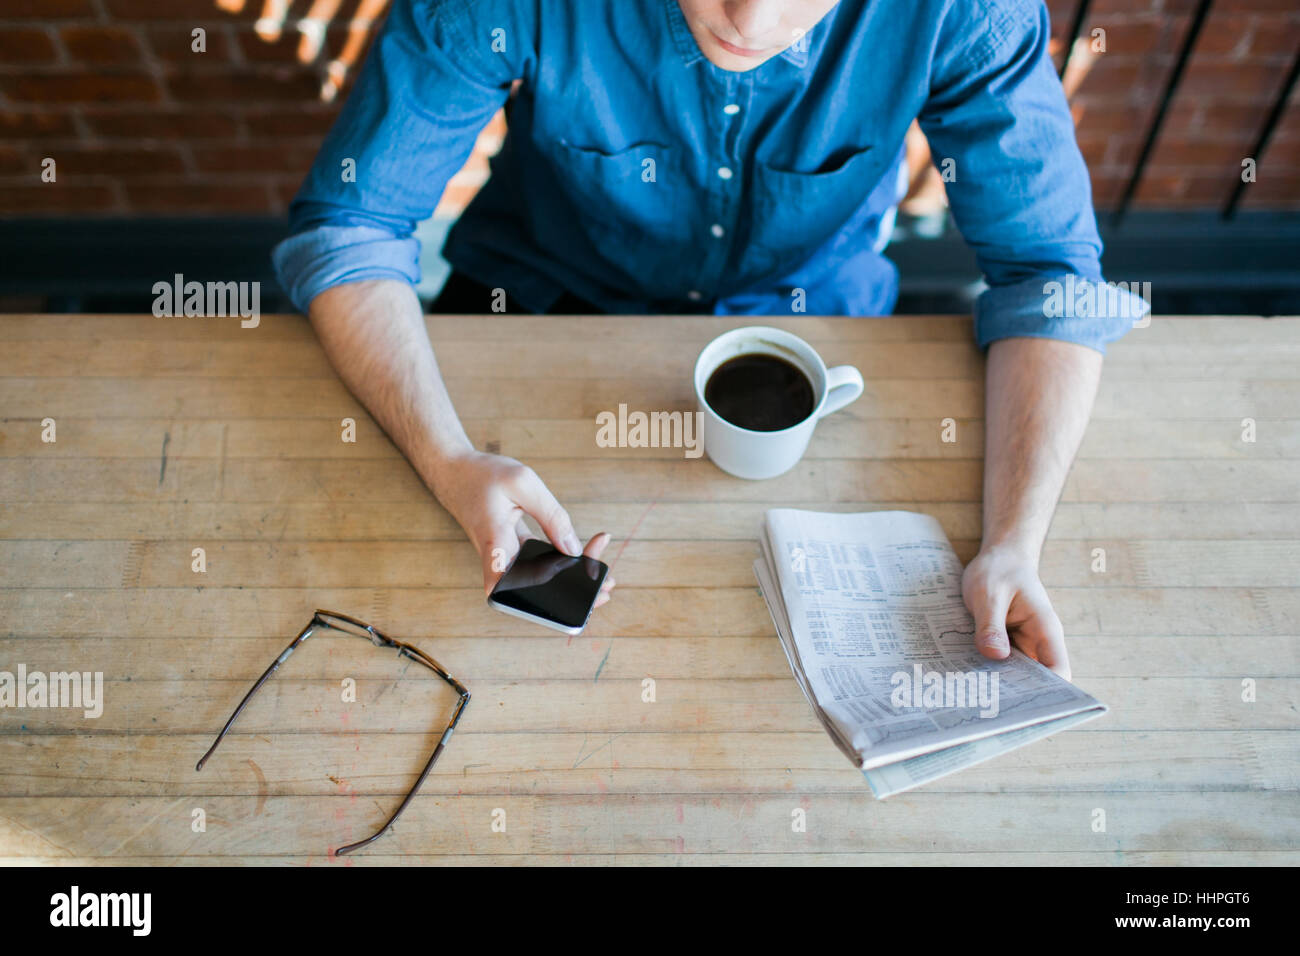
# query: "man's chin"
721,57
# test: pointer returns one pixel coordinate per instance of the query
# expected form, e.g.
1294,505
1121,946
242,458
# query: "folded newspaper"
869,612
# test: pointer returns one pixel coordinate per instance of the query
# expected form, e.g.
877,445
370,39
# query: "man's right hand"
489,495
374,333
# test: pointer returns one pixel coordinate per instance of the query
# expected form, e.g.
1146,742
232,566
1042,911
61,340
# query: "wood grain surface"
175,434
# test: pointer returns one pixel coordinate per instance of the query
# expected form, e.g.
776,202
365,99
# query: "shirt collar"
797,54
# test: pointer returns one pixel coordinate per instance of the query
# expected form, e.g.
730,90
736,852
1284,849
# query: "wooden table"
175,434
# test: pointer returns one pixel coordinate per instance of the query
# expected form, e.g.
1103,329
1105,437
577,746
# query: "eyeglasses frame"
321,619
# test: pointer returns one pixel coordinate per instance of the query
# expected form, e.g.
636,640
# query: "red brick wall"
1238,65
138,123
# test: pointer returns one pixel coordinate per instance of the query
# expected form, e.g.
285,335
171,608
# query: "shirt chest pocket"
627,203
795,213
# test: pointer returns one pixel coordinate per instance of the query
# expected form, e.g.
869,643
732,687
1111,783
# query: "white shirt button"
724,172
731,109
717,230
694,296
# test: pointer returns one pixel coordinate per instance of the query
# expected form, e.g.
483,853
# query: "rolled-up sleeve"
1018,186
310,262
429,85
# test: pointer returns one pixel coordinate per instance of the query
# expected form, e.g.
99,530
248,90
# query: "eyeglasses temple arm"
437,752
275,666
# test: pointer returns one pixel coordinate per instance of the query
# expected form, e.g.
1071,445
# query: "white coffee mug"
753,454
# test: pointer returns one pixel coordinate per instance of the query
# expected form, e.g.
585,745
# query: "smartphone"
549,587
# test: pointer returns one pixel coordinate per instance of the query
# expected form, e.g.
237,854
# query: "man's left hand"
1002,590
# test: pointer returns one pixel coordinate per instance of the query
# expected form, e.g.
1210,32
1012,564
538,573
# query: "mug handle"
844,386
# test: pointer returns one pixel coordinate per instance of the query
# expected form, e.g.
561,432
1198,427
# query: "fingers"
990,611
531,494
595,548
1041,635
1010,605
606,587
502,551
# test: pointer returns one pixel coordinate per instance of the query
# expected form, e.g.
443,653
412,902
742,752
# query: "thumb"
532,495
990,612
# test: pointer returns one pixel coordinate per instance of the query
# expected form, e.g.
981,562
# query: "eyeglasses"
350,625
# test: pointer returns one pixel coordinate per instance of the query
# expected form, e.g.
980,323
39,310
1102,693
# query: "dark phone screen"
550,584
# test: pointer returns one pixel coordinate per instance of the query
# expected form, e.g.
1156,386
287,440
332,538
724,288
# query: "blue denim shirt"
640,177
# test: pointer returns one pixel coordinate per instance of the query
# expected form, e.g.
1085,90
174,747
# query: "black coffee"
763,393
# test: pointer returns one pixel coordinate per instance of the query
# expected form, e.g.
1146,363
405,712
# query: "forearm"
1038,398
374,334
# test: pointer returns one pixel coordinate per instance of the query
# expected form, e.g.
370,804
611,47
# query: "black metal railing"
1152,134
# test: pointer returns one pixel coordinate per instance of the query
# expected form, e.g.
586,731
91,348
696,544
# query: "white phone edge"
545,622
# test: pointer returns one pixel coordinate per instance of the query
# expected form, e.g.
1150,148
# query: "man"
711,156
